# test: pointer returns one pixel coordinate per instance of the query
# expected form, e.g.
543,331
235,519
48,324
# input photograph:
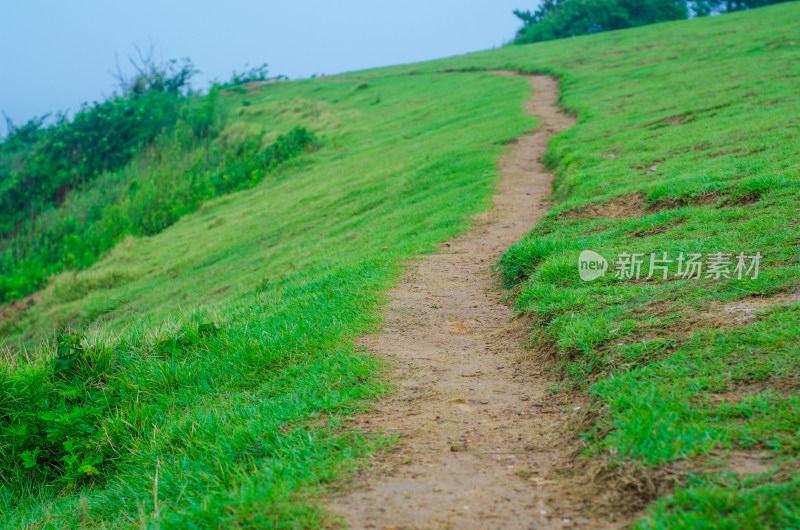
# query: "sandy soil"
481,439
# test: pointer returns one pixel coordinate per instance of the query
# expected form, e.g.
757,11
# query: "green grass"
712,104
234,403
382,178
241,424
768,501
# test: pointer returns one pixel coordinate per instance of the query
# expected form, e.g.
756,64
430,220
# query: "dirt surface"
631,206
481,438
13,310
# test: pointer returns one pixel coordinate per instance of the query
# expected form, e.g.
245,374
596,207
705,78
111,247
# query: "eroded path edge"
480,436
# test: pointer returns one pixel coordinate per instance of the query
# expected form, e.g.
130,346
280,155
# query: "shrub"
557,19
174,184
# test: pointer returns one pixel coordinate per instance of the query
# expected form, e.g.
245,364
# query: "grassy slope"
229,420
383,166
711,102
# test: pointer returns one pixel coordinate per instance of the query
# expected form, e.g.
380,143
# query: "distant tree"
256,73
40,165
545,9
150,74
250,74
9,123
738,5
556,19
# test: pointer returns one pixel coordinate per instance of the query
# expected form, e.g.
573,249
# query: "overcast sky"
56,54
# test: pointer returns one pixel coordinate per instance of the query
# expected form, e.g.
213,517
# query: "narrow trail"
479,434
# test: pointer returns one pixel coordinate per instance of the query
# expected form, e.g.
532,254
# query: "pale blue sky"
56,54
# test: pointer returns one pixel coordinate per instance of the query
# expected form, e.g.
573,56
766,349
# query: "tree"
556,19
152,75
738,5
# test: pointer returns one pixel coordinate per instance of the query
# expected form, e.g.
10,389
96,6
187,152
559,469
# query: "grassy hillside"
72,215
684,143
223,402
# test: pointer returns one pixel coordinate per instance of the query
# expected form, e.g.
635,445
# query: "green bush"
558,19
176,182
101,137
55,415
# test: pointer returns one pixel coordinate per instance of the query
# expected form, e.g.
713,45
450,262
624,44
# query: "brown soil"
634,205
748,462
481,440
688,320
12,311
252,85
630,206
735,314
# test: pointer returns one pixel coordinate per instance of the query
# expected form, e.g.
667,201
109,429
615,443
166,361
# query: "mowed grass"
701,118
390,151
216,359
686,142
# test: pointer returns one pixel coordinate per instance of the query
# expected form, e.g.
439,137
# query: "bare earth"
481,439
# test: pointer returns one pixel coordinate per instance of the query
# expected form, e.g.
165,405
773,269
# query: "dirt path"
480,435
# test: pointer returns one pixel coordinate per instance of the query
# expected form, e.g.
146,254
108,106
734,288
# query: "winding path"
478,431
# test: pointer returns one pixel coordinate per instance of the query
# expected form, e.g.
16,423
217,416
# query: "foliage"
50,415
557,19
75,235
47,225
739,5
40,164
256,73
16,147
151,75
69,154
